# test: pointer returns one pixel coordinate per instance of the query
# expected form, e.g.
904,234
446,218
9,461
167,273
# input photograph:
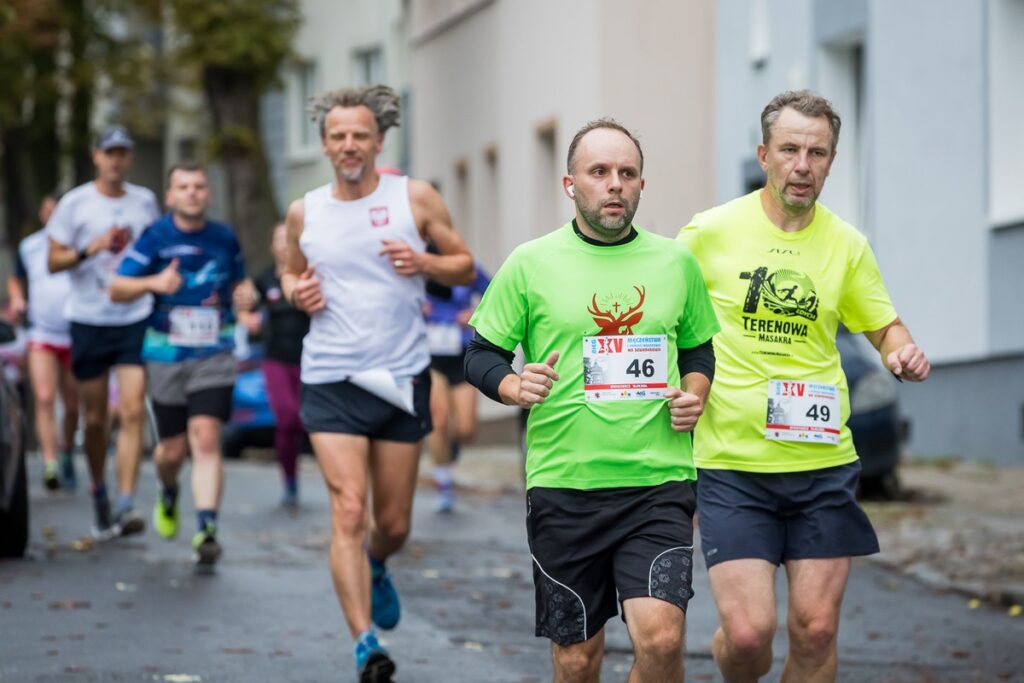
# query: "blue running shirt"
197,320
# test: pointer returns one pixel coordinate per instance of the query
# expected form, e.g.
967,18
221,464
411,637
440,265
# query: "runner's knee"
394,527
349,514
748,641
576,663
813,638
663,642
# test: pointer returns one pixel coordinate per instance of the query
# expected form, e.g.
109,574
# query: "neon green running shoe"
206,546
165,521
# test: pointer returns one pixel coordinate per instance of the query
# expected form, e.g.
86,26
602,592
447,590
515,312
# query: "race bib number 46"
194,326
802,411
625,367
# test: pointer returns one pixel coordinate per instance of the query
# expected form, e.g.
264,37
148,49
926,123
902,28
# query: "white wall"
927,187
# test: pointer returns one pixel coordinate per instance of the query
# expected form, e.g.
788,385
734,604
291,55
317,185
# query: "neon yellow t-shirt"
552,292
779,298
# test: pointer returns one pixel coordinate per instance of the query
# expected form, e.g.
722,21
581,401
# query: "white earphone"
571,190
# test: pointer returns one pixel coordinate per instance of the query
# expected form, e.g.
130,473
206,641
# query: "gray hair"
805,102
609,123
382,100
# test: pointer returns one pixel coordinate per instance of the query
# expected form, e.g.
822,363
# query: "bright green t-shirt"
542,298
779,297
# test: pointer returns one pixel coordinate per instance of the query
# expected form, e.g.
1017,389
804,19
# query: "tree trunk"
18,210
79,136
42,129
235,106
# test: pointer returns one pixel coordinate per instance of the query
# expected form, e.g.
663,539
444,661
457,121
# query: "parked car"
874,415
252,422
13,478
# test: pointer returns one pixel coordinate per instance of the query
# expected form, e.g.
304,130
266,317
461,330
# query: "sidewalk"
960,527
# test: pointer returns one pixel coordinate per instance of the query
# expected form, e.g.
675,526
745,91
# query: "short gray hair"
609,123
807,103
382,100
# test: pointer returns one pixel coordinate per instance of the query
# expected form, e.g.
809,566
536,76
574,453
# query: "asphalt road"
134,610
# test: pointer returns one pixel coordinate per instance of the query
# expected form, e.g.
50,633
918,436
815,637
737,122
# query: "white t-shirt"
82,215
47,292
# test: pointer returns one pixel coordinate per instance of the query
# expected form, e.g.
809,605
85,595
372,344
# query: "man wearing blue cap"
88,232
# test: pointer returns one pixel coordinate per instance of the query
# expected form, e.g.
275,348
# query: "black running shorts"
97,348
594,549
344,408
784,516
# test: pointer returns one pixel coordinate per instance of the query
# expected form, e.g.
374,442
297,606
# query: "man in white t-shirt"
39,295
89,232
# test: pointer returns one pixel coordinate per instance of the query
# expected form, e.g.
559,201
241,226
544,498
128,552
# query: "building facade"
501,86
929,167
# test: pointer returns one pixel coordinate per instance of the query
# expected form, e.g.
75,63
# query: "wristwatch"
83,254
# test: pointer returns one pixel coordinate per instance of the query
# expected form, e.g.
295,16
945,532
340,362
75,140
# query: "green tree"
30,34
238,47
54,52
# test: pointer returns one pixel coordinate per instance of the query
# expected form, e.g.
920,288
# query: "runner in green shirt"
778,471
615,325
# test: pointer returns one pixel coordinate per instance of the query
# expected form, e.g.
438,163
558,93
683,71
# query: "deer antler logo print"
612,322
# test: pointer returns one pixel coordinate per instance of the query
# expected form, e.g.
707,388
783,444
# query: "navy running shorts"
97,348
783,516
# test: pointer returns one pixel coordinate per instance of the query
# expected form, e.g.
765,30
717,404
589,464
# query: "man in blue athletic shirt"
192,266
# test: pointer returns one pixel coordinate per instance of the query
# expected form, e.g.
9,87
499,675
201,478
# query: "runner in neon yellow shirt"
615,324
776,462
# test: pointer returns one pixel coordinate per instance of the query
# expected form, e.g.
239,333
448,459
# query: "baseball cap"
114,136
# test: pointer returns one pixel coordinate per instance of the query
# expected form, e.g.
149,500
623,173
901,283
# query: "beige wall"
495,73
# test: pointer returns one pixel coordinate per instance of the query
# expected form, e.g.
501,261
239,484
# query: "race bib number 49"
625,367
802,411
194,326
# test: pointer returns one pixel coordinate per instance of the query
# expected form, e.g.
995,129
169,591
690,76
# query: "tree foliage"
238,47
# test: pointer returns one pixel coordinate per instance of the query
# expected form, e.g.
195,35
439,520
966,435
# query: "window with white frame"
303,137
368,66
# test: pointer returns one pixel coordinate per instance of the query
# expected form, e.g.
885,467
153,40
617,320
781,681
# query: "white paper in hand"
381,383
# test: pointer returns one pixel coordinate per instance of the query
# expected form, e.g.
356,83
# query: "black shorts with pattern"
596,548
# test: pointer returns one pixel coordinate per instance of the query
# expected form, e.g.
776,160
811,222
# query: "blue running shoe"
373,665
68,479
385,608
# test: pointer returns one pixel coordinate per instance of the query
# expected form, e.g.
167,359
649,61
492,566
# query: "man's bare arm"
295,262
454,265
899,352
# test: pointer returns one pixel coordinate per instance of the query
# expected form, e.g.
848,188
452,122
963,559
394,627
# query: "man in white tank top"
357,264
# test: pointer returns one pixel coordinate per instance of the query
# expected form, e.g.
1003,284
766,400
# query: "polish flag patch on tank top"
379,216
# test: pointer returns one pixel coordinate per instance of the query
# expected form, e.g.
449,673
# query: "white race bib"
444,339
802,411
194,326
625,367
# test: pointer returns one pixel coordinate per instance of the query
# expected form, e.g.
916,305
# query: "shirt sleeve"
699,322
60,228
502,314
20,271
865,304
140,260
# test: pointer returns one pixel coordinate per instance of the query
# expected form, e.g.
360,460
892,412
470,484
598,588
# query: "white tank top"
374,317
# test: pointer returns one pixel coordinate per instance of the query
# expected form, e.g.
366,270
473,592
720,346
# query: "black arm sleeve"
486,365
698,359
